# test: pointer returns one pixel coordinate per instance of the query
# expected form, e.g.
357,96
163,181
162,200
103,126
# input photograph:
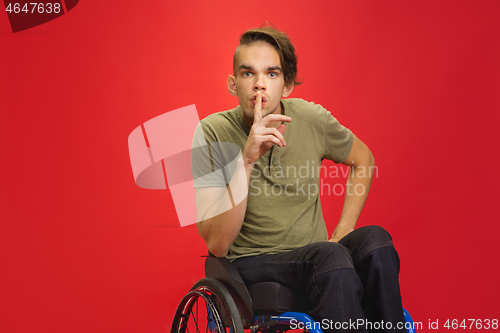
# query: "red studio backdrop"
84,249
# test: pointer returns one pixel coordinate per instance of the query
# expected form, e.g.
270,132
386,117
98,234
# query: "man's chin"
266,113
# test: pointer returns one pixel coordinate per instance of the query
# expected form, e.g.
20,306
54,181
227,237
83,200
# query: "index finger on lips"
257,110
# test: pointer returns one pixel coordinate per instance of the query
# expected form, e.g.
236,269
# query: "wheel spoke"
194,319
217,310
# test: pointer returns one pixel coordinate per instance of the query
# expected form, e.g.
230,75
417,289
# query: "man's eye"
273,75
247,74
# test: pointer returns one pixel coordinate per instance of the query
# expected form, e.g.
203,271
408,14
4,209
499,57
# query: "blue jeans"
347,283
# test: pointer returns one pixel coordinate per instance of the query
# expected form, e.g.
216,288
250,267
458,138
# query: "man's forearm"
357,189
220,225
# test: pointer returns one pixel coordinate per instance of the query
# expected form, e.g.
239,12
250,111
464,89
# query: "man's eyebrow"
248,67
274,68
243,66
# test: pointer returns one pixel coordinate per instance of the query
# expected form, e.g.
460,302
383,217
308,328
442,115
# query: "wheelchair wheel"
208,307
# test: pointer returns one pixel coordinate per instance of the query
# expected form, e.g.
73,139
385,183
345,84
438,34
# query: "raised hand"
261,137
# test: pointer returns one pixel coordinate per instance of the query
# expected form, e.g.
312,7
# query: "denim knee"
366,239
331,256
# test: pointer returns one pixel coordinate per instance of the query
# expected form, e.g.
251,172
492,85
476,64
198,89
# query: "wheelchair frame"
228,305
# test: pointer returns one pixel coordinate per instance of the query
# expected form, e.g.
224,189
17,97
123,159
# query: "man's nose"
260,84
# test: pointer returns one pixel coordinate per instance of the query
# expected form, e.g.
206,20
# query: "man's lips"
263,103
254,99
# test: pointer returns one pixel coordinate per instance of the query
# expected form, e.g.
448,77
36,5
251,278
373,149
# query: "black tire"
207,296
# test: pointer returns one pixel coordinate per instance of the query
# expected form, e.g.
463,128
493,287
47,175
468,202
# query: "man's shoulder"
221,118
298,107
226,126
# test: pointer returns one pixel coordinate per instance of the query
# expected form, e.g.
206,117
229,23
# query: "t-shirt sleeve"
205,164
338,140
212,162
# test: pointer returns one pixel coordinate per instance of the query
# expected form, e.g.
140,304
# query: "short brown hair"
281,42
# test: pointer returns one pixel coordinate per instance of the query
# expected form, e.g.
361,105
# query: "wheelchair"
221,303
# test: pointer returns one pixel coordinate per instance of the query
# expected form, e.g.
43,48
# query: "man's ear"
287,91
231,85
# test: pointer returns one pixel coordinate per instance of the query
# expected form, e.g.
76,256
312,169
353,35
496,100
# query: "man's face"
257,68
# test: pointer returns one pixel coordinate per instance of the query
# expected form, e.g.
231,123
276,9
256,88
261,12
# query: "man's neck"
279,110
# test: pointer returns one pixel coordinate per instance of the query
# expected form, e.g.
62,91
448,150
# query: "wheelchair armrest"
213,269
223,270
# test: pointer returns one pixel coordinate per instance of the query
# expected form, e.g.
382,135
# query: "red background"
83,249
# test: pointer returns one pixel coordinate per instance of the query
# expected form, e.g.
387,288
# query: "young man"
257,193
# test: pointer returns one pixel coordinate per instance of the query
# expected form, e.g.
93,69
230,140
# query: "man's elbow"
218,250
364,160
373,170
215,245
371,158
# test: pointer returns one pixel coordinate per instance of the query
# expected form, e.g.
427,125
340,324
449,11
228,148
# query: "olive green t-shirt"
283,206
